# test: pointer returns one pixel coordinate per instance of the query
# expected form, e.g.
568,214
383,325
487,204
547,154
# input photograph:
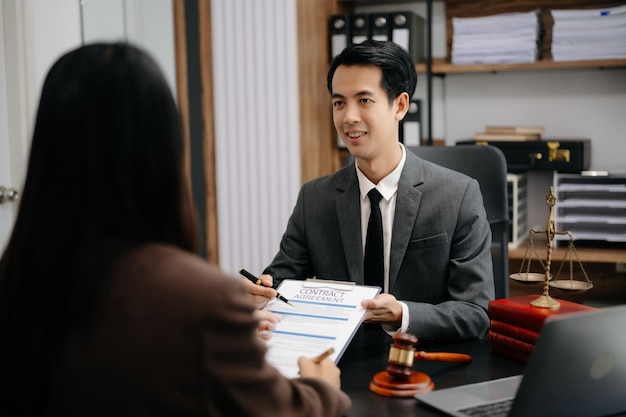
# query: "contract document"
324,314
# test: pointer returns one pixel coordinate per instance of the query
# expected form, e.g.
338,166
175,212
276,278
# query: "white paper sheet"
324,314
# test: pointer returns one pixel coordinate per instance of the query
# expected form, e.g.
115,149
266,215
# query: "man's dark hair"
398,68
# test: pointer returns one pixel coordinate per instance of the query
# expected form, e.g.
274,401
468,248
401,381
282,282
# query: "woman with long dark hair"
104,308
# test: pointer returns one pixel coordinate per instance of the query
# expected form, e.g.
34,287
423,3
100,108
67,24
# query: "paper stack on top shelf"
589,34
496,39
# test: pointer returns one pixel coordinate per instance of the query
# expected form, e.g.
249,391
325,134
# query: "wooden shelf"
442,66
375,2
585,254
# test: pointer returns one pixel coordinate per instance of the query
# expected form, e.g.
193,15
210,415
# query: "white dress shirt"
388,188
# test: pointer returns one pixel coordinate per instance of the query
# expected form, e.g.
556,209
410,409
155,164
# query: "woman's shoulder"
167,259
169,269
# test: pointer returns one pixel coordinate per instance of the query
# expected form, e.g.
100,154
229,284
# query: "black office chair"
487,165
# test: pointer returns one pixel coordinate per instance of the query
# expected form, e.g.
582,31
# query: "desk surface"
367,355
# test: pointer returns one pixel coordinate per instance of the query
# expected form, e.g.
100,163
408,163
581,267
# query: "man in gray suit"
437,273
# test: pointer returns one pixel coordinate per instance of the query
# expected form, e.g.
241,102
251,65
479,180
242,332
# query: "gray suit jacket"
440,262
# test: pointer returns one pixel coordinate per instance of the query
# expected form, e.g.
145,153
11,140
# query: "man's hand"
383,309
261,293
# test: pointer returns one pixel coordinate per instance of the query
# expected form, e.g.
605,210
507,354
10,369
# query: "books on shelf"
510,133
515,325
516,130
508,137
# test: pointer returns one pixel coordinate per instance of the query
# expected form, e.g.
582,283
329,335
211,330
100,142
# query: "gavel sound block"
399,379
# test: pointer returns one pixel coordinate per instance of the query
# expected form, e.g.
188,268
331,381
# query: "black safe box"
562,155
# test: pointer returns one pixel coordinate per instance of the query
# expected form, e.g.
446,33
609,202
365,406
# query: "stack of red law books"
515,324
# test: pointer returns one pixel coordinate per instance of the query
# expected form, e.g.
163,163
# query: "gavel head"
401,356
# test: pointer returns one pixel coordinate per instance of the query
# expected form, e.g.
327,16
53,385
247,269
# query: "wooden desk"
367,355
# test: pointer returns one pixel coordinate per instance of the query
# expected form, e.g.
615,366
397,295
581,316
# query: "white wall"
26,51
30,50
147,23
33,34
150,24
7,209
570,104
37,32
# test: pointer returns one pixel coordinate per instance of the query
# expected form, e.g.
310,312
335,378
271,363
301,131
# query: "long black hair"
105,175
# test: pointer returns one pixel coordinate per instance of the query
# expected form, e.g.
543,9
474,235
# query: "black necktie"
374,266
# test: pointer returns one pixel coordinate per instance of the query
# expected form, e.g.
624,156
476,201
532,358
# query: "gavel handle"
442,356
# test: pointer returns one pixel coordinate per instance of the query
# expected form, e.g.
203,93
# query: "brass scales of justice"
565,285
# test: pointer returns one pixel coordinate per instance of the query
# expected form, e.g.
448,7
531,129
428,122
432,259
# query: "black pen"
258,281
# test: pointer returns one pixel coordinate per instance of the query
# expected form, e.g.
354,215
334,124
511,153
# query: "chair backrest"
487,165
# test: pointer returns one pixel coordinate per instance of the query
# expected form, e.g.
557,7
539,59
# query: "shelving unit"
591,207
440,67
588,254
594,210
518,199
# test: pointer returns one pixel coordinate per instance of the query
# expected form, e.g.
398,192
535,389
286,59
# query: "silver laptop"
578,368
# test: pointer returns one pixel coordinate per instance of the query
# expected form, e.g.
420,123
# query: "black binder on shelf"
339,33
408,31
359,27
380,27
411,126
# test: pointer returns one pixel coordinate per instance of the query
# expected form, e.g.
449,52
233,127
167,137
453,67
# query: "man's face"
365,120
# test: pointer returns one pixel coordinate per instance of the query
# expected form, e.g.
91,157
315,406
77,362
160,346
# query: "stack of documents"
496,39
589,34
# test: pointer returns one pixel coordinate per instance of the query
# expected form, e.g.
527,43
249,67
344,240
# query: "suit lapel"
407,205
349,215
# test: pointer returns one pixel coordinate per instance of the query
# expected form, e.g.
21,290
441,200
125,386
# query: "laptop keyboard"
498,409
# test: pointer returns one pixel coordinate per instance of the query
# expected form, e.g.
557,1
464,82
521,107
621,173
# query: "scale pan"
528,278
570,285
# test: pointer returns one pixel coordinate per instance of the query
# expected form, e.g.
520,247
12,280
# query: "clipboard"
325,313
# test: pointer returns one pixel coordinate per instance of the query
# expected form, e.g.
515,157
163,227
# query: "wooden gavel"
402,353
399,379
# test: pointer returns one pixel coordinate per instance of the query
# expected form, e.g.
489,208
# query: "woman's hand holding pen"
261,293
325,370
